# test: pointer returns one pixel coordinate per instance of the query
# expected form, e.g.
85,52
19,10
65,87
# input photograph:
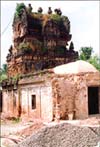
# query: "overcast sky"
83,15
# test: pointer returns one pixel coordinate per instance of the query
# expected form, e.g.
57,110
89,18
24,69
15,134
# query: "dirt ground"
15,131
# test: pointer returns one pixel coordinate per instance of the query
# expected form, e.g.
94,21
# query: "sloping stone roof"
79,66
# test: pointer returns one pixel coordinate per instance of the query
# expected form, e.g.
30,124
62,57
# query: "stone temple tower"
40,41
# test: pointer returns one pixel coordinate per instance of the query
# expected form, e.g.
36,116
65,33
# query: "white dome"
79,66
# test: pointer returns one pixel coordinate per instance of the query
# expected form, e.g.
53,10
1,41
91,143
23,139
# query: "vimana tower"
40,41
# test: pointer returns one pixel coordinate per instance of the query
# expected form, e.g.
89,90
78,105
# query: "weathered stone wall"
43,92
71,93
83,81
10,103
67,100
64,92
26,101
46,103
19,103
81,105
94,80
5,104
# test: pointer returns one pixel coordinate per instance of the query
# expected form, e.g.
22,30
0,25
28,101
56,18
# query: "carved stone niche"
20,25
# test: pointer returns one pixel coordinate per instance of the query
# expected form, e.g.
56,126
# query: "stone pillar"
28,111
57,113
19,103
70,115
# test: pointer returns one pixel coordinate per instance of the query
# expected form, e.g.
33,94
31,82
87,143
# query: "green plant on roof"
56,17
25,47
44,49
60,50
16,78
19,9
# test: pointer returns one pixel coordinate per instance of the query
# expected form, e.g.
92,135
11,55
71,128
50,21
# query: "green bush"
95,61
3,77
3,72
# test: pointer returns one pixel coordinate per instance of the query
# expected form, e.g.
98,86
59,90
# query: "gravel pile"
63,135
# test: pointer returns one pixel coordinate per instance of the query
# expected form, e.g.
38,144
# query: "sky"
83,15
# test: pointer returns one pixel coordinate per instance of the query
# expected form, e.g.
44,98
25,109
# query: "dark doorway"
33,101
93,100
0,101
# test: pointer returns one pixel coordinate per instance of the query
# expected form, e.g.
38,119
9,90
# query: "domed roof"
79,66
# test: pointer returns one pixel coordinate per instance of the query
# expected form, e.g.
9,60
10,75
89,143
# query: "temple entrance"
93,100
1,101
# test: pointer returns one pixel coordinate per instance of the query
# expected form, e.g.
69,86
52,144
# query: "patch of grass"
16,120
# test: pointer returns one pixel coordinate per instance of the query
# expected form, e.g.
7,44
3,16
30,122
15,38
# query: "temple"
44,79
40,41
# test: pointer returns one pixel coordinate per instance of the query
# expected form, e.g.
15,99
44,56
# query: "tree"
95,61
4,68
85,53
3,72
